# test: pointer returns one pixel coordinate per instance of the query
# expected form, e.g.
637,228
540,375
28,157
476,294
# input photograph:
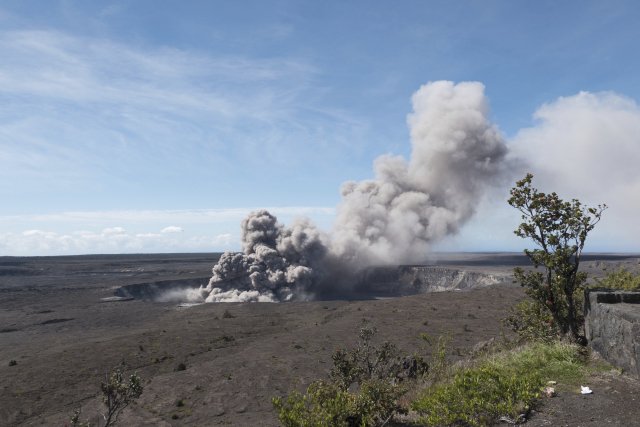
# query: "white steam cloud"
456,155
587,146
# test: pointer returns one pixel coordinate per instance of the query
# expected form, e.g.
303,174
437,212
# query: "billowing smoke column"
456,155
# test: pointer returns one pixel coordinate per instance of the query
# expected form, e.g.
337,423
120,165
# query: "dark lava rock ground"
55,324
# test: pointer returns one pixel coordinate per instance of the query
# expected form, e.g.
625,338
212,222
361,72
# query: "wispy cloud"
206,216
73,106
58,66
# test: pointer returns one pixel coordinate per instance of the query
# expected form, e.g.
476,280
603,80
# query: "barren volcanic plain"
224,362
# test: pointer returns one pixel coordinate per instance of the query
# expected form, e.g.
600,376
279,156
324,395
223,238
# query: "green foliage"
477,397
328,404
531,321
504,385
438,366
365,385
620,279
559,229
556,361
118,392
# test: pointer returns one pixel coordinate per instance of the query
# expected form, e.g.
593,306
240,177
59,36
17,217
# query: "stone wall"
612,326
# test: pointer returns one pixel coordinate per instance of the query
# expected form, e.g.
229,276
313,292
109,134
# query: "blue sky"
145,126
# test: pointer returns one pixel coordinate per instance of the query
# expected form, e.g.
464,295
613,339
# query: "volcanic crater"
63,328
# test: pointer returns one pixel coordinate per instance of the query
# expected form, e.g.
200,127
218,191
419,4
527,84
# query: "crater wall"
387,281
418,279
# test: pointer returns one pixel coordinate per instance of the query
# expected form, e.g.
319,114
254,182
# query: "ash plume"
277,263
457,154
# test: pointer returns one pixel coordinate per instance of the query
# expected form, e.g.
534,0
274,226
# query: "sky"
146,126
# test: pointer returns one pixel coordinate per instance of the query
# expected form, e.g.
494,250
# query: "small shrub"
620,279
180,403
364,388
75,419
327,404
531,322
227,315
181,367
118,393
478,396
13,362
438,366
367,362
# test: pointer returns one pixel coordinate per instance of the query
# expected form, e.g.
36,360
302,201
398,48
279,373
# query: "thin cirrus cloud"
199,216
54,65
77,107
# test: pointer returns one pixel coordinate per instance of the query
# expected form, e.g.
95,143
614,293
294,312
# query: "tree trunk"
572,321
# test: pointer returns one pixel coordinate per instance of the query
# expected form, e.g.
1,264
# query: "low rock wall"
612,327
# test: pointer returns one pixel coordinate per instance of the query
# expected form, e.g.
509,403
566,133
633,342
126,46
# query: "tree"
559,228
